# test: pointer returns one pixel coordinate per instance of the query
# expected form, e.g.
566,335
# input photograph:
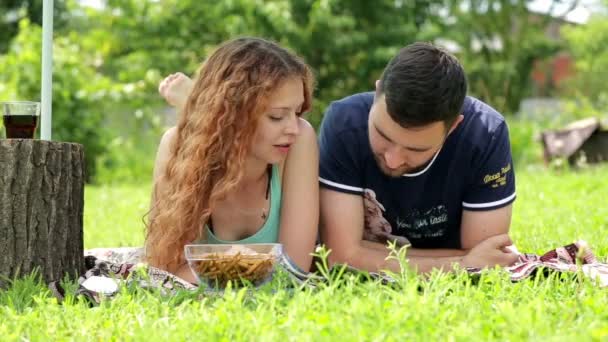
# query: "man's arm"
434,253
343,236
477,227
343,233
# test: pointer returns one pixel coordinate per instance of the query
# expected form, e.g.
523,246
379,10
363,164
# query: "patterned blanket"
109,268
571,258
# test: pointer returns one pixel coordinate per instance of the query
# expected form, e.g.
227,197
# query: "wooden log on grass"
41,209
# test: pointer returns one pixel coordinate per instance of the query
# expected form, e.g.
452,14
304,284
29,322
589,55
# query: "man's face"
399,150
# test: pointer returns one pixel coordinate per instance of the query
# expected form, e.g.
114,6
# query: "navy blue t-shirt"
472,171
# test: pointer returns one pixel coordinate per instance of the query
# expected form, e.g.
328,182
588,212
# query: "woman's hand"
175,89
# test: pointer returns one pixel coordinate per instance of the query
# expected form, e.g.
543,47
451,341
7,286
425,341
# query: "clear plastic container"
215,264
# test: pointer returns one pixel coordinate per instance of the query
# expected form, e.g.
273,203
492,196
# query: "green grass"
553,208
558,207
113,215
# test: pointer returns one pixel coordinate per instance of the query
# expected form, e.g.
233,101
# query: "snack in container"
217,264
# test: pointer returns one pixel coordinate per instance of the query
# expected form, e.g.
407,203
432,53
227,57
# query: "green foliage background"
108,60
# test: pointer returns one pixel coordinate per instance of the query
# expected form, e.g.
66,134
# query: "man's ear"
456,122
377,92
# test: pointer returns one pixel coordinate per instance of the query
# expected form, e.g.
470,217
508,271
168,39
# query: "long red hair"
214,133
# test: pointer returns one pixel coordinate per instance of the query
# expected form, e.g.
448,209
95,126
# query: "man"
418,162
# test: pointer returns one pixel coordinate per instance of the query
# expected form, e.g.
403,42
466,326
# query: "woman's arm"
160,164
185,273
300,198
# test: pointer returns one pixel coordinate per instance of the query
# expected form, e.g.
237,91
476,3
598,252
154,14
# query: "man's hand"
175,89
491,252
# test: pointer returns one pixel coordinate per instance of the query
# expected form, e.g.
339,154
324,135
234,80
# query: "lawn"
553,208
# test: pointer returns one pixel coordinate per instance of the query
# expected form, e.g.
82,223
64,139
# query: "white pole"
47,70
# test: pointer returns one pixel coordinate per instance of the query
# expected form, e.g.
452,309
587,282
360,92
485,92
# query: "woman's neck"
255,171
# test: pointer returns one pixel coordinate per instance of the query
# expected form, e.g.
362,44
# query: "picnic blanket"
573,258
109,268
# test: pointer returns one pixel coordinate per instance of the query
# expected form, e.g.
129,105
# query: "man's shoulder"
349,113
343,143
481,117
359,100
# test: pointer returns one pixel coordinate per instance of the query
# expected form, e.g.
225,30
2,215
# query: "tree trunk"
41,208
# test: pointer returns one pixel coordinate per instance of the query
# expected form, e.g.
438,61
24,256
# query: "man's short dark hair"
423,84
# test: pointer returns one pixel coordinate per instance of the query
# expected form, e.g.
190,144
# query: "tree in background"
499,42
347,42
109,60
13,11
588,45
80,93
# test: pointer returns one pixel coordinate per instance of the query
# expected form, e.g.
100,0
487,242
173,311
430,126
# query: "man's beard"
400,171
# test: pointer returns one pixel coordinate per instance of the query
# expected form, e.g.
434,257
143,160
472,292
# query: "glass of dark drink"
20,119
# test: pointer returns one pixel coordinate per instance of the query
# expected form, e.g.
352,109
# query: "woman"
241,166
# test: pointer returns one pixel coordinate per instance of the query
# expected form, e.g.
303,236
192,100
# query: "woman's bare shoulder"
308,132
306,140
305,149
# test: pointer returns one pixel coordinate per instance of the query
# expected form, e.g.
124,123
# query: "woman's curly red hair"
214,133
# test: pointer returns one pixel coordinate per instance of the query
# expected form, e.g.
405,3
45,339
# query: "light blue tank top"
269,233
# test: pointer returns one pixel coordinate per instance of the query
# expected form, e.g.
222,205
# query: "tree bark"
41,208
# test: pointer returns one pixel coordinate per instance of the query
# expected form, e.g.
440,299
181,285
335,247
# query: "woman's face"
278,127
